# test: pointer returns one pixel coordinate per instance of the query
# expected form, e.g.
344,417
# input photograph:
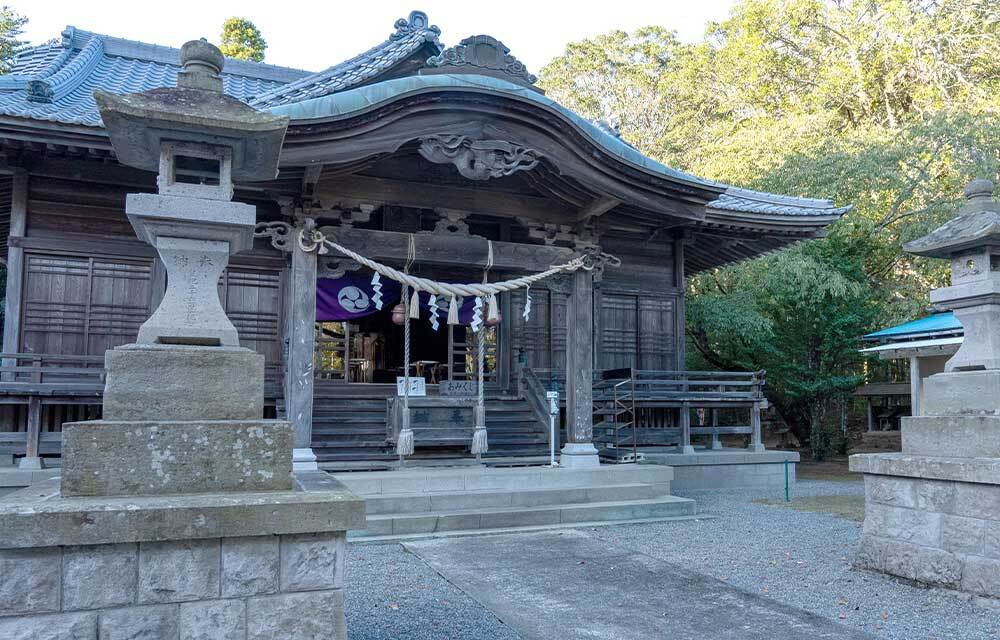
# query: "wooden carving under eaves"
482,55
478,159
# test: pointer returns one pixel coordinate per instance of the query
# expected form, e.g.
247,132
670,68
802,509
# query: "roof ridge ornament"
484,55
416,23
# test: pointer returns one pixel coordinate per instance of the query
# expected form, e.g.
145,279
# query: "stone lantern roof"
977,226
196,110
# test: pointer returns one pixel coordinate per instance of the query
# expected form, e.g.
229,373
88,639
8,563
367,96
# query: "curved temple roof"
54,84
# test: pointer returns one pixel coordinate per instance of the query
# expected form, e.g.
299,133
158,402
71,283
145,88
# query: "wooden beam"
450,249
310,176
597,208
363,189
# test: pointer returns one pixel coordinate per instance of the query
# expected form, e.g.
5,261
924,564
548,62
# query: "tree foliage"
11,27
241,39
888,105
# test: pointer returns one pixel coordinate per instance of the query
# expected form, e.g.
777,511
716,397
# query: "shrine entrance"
356,343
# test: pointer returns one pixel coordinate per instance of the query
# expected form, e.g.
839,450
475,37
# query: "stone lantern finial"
202,64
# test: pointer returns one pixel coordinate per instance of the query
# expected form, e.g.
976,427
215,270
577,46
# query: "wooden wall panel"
657,344
83,305
619,333
534,335
252,299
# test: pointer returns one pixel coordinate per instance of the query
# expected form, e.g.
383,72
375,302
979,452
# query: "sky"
314,35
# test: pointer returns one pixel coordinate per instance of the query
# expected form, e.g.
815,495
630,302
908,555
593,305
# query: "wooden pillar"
681,311
579,450
299,372
871,416
756,444
684,421
716,443
33,433
505,354
15,267
916,388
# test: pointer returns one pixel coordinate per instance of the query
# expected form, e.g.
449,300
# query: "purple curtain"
350,297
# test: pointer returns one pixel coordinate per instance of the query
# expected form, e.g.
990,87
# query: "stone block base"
728,468
956,436
932,528
579,456
249,566
103,458
176,382
256,588
961,393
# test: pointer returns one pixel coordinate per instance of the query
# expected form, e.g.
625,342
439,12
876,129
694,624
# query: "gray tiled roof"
748,201
410,35
55,82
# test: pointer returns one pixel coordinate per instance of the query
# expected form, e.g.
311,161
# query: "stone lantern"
178,513
198,140
971,242
932,512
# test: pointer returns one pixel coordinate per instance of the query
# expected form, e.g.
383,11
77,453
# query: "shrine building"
448,161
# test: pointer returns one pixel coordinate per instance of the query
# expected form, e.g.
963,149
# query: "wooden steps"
349,425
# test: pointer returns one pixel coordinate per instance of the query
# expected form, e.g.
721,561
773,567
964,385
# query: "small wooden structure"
449,146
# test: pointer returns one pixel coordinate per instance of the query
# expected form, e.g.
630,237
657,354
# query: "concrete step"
407,503
420,481
509,517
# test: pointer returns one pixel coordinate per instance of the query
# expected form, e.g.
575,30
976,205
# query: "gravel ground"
803,559
393,595
800,558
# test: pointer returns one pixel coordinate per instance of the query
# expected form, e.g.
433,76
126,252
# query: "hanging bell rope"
404,444
480,442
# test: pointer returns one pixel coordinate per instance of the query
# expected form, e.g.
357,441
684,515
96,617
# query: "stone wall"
248,588
941,532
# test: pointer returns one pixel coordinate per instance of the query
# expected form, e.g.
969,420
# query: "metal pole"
786,482
553,397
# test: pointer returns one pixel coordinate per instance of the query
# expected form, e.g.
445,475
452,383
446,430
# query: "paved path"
569,585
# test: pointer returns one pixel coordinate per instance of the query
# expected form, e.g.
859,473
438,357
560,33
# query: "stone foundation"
263,587
265,565
926,520
728,468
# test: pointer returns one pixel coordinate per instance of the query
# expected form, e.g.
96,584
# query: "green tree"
242,39
889,105
11,27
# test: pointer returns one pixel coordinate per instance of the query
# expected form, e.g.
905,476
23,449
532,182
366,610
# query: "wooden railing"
663,401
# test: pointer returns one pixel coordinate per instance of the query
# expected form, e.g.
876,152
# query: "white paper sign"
418,386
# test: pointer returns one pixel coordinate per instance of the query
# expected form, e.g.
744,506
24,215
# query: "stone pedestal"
932,512
248,565
179,382
579,455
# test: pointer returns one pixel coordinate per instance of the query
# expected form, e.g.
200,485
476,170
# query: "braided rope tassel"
404,445
480,443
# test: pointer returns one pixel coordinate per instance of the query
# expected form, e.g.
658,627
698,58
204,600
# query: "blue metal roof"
931,325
